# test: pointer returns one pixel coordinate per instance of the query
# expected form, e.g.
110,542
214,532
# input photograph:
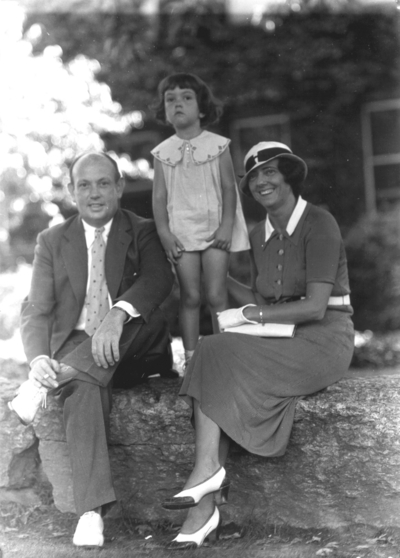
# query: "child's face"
181,108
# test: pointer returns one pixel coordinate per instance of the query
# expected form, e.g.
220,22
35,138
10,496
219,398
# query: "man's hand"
105,341
44,372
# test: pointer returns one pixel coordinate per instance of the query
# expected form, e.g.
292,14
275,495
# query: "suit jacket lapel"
74,253
117,247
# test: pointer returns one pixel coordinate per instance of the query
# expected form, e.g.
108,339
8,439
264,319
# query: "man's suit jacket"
136,267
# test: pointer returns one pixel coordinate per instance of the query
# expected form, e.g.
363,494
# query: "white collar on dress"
204,147
293,221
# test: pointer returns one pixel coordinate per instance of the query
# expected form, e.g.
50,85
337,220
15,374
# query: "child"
195,203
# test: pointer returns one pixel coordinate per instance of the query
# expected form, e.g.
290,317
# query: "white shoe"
28,400
218,484
89,531
194,540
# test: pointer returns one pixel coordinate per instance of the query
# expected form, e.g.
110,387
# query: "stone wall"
341,466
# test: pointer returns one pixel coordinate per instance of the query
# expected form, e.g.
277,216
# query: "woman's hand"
233,317
173,246
221,238
309,309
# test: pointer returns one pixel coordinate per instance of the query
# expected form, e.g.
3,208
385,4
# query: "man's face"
95,189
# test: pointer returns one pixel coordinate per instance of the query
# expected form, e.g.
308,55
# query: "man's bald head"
94,156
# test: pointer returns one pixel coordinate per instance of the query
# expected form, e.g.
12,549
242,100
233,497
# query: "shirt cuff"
128,308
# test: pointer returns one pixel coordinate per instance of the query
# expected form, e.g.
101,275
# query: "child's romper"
193,182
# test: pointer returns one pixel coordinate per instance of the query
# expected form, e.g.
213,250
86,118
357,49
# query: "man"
91,320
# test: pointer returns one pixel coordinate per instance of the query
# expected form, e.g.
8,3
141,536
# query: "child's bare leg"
215,264
188,270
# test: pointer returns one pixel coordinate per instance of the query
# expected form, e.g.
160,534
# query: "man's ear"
120,186
71,190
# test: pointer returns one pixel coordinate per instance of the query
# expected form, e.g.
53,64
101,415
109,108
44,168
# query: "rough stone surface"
341,466
151,447
23,496
19,456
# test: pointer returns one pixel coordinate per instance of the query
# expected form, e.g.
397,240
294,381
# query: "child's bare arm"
223,235
172,246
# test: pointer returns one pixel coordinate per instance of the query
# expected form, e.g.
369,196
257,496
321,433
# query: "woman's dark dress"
248,385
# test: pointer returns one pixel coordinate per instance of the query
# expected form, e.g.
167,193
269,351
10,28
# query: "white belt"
337,300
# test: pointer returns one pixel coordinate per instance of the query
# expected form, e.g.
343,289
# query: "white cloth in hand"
233,317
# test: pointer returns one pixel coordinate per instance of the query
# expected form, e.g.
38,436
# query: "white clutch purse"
264,330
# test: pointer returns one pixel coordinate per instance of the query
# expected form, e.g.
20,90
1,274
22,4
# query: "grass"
45,532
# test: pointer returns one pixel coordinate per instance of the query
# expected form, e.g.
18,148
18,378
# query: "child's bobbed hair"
209,105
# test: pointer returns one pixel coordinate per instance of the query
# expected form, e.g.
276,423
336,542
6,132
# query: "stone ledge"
341,466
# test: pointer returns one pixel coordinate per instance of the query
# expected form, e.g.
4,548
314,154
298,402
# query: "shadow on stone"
341,466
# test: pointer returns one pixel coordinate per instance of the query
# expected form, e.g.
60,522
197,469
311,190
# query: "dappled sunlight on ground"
14,286
178,354
12,349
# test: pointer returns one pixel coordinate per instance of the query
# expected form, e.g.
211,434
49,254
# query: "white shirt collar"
90,231
293,221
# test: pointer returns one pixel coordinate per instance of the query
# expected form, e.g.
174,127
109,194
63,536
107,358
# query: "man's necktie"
97,304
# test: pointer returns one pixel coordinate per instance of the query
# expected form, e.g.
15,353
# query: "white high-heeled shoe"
196,539
217,483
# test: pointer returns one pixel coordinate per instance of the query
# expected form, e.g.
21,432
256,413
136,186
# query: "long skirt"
250,385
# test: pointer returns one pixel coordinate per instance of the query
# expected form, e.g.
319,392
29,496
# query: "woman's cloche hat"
263,152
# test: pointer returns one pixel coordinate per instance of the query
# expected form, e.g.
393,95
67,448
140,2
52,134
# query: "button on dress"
250,385
193,182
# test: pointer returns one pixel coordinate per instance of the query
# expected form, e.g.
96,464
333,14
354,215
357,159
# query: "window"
381,147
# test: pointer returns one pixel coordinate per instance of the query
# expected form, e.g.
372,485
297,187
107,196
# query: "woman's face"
268,187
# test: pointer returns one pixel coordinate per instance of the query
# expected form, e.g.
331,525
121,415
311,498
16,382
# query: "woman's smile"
265,190
268,186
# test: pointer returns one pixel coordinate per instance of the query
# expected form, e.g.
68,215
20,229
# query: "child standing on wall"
195,203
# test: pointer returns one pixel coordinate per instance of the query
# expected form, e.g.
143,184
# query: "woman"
246,387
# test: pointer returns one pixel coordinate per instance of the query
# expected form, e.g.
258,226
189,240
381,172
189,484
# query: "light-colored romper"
193,181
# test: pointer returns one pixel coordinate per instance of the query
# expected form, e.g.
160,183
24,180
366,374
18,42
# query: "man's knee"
149,354
78,392
158,323
153,336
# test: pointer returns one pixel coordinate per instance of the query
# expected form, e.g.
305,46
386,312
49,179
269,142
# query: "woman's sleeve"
253,272
322,250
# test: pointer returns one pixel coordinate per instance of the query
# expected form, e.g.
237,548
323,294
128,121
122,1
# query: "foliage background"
316,65
75,78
